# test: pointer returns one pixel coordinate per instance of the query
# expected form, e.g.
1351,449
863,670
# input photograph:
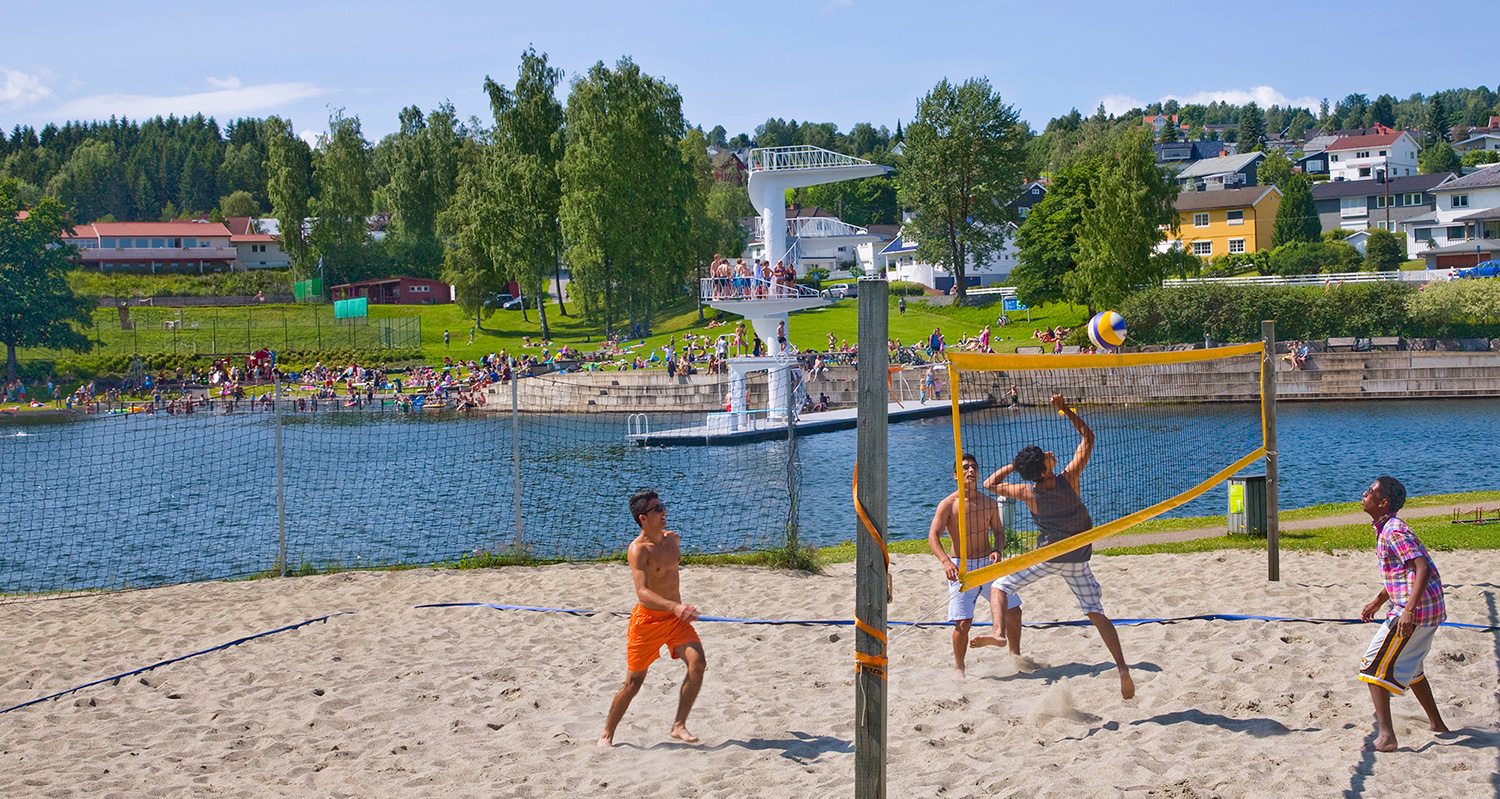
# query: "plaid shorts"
1079,576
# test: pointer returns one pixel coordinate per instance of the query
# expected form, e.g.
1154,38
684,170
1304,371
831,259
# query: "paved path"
1174,536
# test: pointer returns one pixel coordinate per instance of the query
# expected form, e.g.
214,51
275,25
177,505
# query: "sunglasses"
660,506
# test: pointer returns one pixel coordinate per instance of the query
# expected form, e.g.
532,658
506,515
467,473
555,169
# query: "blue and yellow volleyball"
1107,330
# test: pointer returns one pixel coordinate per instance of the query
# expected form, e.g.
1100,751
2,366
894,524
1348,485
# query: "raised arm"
995,483
1085,443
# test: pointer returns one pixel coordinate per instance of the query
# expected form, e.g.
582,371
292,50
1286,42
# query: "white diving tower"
773,170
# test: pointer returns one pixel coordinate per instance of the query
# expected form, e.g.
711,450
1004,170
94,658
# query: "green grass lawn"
312,328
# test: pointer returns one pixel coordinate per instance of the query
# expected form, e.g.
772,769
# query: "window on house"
1036,190
157,244
1364,171
1353,206
1315,166
1380,200
1200,219
1460,201
1412,199
106,242
1362,154
1333,157
1203,248
1382,152
1236,245
1236,218
1422,234
1023,211
1455,232
190,242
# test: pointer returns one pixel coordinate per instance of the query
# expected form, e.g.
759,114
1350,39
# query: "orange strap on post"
875,664
890,370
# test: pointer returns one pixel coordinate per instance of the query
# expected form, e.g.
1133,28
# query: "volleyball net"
120,497
1148,458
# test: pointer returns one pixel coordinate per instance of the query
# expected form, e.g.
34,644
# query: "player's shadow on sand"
800,747
1054,673
1257,727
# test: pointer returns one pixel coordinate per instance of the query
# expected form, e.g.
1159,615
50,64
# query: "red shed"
396,291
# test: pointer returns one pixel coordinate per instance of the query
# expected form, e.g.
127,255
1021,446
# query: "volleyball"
1107,330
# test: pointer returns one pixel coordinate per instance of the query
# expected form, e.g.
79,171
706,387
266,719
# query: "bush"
899,287
1310,258
233,284
1384,250
1463,309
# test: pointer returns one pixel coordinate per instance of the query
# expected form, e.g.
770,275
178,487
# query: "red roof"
174,229
1368,140
238,225
257,238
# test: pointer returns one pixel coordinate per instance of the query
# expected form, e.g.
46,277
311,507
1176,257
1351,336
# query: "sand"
394,701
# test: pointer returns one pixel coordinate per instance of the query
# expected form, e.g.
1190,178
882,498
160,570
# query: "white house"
1393,152
1478,141
1468,210
901,263
255,250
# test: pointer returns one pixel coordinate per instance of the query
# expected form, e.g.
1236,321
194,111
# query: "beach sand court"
396,701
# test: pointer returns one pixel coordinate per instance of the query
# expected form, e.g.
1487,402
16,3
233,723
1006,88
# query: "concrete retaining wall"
1329,376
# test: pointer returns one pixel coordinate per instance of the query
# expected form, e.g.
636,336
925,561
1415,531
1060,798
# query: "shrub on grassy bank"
106,367
234,284
1462,309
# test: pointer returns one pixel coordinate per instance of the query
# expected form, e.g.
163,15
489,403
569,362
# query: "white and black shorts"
1079,576
961,603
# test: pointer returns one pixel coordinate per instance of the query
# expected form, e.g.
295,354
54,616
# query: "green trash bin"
1247,505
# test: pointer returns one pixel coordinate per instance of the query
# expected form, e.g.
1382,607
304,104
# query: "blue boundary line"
1039,624
175,660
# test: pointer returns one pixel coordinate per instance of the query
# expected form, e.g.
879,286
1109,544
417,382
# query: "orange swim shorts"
649,630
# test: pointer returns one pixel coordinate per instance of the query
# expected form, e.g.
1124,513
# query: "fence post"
792,527
1268,402
515,453
280,490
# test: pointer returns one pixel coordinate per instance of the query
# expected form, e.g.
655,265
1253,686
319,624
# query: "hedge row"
1462,309
89,367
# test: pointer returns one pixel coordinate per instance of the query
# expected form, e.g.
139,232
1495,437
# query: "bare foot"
606,740
1439,726
988,640
680,732
958,673
1383,743
1127,685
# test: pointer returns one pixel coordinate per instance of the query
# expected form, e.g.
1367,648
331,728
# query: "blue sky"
844,61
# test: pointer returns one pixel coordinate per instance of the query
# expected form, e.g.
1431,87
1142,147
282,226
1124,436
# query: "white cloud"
20,89
1118,104
311,137
1263,96
230,82
223,103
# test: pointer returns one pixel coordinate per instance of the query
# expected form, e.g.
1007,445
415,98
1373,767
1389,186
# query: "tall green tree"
964,160
423,167
240,203
345,198
1047,241
1439,157
37,306
523,178
288,171
1252,127
626,189
467,265
92,183
1132,202
1297,216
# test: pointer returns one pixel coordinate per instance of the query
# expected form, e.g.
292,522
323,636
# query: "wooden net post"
1268,406
872,566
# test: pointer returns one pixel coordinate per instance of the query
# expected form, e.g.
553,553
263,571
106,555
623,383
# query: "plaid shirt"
1395,545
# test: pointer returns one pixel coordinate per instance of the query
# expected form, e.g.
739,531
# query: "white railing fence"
802,156
1334,278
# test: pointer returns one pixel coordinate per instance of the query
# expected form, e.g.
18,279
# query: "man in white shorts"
1059,513
982,517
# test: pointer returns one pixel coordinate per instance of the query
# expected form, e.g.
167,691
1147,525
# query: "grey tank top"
1060,514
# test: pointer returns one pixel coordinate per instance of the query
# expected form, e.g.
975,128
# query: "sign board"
308,289
1013,304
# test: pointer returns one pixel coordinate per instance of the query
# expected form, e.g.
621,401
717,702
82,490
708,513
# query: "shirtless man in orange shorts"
659,618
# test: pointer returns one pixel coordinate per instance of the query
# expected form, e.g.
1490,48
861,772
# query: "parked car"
841,291
514,304
497,300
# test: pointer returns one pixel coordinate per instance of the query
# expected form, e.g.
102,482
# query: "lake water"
105,502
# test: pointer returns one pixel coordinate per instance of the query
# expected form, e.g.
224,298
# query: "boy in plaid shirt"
1394,660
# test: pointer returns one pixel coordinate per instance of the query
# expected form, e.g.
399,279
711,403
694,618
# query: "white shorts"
1393,662
961,603
1079,576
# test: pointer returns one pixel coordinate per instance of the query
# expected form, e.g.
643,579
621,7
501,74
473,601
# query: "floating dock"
722,429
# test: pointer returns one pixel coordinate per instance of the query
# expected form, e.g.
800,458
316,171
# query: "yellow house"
1227,221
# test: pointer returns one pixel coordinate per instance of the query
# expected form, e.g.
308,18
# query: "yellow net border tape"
977,362
1032,558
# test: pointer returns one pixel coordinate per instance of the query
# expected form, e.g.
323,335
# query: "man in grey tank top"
1059,513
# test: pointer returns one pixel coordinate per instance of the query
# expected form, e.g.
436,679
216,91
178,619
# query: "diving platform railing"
802,156
751,288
